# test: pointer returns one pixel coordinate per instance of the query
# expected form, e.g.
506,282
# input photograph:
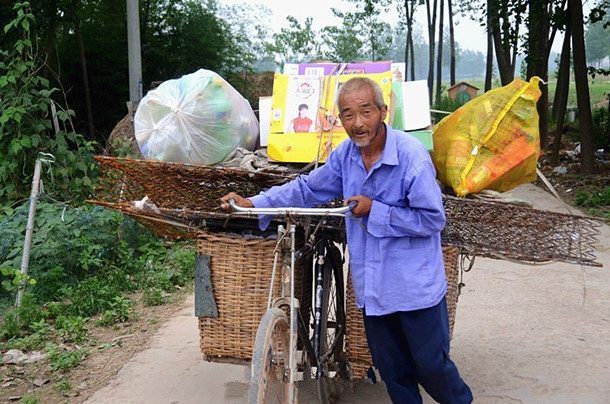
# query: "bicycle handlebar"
238,210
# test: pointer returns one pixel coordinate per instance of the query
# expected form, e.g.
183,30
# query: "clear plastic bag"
196,119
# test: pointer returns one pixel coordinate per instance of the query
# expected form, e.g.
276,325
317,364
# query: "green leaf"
8,26
25,141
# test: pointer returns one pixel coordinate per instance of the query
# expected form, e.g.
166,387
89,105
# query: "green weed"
594,199
71,328
153,297
60,359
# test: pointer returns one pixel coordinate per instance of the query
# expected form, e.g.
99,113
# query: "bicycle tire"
269,375
332,311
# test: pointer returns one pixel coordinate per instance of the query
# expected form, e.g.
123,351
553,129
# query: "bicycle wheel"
332,325
269,379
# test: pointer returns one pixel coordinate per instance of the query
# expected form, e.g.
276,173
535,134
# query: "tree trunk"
439,61
490,51
451,43
515,46
431,14
412,57
502,58
582,87
409,27
538,59
561,94
83,64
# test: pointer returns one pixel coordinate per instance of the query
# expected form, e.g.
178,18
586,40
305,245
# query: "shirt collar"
390,149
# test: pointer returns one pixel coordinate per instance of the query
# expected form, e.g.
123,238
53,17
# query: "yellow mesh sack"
492,142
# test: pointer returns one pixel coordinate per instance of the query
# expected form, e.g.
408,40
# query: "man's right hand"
239,200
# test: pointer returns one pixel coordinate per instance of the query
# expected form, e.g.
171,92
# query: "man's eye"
366,112
348,116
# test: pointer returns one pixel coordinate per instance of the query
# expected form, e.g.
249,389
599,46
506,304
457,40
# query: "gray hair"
359,83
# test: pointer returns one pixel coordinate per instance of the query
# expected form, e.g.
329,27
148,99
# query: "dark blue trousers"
411,348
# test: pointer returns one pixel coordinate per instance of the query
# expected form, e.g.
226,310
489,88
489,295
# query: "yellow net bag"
492,142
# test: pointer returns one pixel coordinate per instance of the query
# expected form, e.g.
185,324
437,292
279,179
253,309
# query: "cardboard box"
290,92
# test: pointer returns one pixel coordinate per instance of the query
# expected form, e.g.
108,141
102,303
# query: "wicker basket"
240,272
355,339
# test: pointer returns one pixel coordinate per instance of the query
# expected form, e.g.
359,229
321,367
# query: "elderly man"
396,263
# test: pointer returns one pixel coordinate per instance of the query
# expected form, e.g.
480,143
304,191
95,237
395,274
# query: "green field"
599,88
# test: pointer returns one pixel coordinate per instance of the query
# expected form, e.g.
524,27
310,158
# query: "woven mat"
184,199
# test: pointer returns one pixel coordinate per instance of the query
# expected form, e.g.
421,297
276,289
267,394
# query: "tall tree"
409,9
544,19
373,34
431,17
582,86
297,43
451,43
561,91
439,60
504,20
490,50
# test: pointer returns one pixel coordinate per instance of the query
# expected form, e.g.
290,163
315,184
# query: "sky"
467,32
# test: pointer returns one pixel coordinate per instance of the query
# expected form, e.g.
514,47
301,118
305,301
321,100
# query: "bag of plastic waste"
492,142
196,119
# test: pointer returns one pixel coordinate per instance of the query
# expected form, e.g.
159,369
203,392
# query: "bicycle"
274,358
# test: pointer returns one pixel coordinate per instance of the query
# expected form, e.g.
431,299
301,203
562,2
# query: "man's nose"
358,121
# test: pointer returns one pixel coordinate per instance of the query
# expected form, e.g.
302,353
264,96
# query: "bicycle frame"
288,267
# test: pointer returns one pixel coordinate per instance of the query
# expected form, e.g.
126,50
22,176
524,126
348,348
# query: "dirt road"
531,334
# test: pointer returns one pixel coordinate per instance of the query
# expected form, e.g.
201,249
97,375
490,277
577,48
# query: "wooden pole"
27,244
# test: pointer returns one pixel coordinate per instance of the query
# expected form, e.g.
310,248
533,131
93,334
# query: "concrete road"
531,334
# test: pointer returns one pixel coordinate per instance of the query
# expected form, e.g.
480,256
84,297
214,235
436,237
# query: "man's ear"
384,112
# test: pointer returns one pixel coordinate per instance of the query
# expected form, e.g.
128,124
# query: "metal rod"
293,321
238,210
280,236
29,230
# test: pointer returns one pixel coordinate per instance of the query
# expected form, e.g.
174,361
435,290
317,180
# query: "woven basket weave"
241,273
355,339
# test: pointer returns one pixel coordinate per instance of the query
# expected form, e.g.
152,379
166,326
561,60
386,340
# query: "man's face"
302,112
360,116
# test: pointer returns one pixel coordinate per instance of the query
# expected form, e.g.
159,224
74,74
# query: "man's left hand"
364,205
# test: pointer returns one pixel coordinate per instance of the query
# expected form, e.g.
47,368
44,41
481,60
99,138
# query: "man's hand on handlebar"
239,200
363,207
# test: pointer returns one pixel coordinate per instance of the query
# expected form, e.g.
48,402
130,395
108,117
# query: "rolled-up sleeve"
424,214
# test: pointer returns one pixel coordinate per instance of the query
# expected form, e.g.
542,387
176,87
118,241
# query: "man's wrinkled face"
360,116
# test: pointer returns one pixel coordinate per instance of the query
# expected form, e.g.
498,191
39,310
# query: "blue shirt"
396,264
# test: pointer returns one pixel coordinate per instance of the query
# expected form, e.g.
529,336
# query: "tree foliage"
26,127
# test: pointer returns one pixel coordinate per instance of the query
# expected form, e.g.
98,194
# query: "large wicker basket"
240,273
355,339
